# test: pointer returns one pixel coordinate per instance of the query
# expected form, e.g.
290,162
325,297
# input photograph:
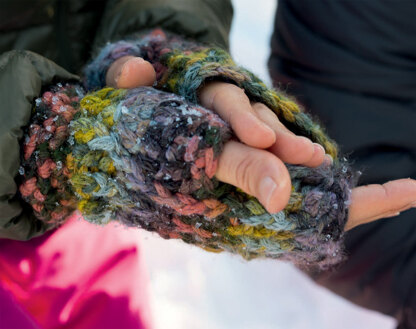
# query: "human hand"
265,145
130,72
244,164
256,164
376,201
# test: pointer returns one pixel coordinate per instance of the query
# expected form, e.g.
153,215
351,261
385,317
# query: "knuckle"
386,190
218,95
228,106
234,88
240,95
251,168
244,171
225,89
269,116
260,106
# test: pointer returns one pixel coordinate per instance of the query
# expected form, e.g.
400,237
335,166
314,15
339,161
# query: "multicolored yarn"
147,158
183,66
44,174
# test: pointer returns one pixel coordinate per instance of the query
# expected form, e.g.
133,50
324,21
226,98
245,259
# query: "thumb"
372,202
257,172
130,72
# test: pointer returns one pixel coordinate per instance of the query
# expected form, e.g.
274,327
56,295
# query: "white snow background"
194,289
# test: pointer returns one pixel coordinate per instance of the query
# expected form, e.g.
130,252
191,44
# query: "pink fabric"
12,316
80,276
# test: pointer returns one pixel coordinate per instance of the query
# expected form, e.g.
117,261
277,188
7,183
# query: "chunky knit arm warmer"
183,66
147,158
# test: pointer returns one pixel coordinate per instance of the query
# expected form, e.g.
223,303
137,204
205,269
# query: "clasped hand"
255,163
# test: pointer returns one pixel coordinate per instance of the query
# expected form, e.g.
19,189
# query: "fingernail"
118,75
320,146
136,59
328,160
267,187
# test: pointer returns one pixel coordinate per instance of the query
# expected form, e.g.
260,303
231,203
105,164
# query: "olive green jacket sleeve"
22,75
206,21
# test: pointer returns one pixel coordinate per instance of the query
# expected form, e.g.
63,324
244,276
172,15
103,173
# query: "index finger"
232,105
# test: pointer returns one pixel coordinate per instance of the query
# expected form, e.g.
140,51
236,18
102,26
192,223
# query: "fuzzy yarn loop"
43,179
147,158
183,66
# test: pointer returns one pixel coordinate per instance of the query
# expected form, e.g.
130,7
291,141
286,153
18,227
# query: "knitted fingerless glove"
147,158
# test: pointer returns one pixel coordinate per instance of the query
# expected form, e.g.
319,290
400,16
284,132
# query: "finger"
372,202
232,105
289,147
257,172
130,72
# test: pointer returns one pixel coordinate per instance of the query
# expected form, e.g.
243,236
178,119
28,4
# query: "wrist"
148,159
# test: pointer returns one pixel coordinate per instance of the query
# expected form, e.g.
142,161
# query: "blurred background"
193,289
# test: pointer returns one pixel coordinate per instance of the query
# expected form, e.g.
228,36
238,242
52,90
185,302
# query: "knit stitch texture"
147,158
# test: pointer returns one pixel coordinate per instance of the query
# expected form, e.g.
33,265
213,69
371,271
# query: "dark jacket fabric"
69,31
353,65
22,75
42,41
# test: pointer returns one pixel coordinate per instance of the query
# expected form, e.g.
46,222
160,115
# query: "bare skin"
256,163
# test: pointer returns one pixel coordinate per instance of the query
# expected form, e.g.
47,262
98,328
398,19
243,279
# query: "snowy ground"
194,289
